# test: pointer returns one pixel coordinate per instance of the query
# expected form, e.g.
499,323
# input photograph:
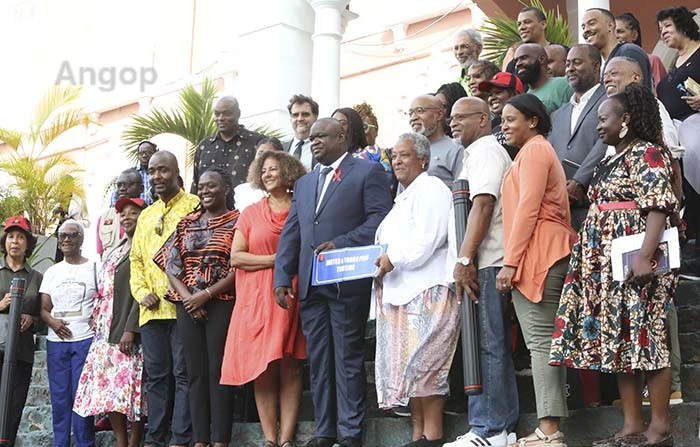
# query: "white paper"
634,242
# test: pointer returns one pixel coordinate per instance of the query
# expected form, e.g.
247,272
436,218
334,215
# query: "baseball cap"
121,203
19,222
502,79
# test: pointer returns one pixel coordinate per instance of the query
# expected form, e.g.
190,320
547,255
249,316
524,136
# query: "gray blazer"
579,151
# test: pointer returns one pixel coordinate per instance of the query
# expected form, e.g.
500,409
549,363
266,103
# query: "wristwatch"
464,261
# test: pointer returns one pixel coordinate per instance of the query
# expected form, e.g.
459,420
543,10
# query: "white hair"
75,223
421,145
473,34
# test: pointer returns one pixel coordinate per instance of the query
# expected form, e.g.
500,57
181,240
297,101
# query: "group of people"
200,292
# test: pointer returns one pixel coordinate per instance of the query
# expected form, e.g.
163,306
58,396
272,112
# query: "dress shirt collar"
584,98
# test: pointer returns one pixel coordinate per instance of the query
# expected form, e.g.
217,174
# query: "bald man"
494,413
163,353
556,59
232,148
426,116
531,66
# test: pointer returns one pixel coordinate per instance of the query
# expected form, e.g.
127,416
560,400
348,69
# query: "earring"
624,130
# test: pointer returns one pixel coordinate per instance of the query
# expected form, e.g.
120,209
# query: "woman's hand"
693,101
199,314
5,302
642,271
195,301
126,344
60,327
504,279
25,322
384,264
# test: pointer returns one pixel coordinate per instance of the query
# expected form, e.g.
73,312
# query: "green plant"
192,118
501,34
43,180
10,204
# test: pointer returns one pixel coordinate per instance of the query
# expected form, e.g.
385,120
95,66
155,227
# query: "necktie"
321,182
297,149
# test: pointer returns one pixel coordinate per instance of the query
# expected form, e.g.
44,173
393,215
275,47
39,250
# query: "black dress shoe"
350,442
320,442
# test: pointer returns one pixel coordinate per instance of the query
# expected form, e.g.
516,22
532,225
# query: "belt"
596,208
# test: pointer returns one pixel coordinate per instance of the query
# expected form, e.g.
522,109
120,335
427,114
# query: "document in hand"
625,249
345,264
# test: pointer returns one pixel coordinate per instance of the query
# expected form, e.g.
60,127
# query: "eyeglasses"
419,110
69,236
368,126
463,116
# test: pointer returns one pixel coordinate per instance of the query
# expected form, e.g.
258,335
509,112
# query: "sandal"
270,444
539,439
287,444
644,442
616,441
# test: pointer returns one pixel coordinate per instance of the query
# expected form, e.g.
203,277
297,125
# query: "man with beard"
467,47
425,116
574,135
599,30
231,149
531,65
303,112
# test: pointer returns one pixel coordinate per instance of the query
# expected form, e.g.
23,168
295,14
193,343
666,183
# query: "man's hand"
466,281
150,301
60,327
384,264
5,302
126,344
329,245
25,322
195,301
576,192
281,294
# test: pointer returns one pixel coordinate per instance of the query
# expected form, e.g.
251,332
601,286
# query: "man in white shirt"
574,135
493,414
303,112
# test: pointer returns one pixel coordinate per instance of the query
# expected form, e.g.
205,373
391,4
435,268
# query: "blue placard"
345,264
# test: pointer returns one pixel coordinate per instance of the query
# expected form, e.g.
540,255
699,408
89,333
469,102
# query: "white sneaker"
512,438
471,439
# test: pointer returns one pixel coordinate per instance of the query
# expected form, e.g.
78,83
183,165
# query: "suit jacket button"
315,222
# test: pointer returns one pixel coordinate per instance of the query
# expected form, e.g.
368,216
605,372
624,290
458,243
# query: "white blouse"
415,232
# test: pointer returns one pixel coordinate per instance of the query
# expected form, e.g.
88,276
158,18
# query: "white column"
582,6
329,26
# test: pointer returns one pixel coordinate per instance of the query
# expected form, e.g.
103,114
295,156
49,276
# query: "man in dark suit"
337,205
574,135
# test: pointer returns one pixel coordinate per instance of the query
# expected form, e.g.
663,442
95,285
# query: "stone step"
38,395
40,376
40,342
35,418
40,359
582,427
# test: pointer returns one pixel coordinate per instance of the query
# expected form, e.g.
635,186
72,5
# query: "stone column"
329,26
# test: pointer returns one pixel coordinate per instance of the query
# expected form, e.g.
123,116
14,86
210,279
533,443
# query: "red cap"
20,222
502,79
121,203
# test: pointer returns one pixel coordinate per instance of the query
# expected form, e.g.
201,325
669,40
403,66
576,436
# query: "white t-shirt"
72,289
485,164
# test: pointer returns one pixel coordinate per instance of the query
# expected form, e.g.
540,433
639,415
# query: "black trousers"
211,404
20,388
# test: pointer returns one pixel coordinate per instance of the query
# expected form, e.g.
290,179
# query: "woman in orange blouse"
537,237
196,259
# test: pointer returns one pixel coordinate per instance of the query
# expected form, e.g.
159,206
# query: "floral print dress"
111,381
607,325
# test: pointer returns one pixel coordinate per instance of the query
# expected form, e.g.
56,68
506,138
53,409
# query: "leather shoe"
320,442
350,442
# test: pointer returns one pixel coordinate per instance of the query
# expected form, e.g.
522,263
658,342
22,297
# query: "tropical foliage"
500,34
42,179
192,118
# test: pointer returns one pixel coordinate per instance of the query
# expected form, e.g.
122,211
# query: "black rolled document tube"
469,325
17,289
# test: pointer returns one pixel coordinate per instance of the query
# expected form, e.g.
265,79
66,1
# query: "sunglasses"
368,126
69,236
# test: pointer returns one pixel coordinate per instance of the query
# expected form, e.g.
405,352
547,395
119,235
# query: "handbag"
5,318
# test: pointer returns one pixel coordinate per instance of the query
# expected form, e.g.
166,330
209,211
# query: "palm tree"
43,180
500,34
192,118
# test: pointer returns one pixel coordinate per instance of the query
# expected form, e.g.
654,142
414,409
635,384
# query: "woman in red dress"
264,343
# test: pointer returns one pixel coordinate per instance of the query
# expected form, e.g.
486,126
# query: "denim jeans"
497,408
64,363
164,362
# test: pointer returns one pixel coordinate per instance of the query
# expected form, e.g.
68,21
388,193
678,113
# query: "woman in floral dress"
620,327
111,381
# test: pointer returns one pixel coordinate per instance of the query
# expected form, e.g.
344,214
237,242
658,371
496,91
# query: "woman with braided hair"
372,152
620,326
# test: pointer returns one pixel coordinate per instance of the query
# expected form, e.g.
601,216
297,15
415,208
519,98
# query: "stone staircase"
582,427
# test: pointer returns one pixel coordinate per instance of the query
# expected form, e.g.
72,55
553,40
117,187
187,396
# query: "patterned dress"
602,324
111,381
